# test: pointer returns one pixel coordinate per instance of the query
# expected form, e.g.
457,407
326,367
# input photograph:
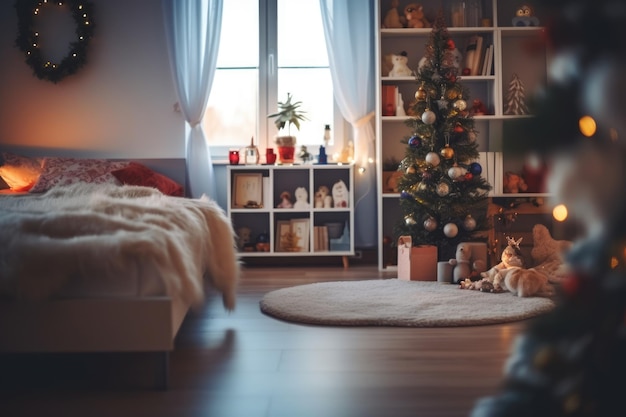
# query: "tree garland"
28,38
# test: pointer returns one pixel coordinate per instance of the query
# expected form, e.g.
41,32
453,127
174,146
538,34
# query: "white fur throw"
93,232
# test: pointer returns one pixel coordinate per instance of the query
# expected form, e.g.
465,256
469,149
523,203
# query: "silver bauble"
450,230
432,158
469,223
429,117
430,224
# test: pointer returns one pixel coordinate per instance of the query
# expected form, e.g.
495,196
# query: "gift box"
416,263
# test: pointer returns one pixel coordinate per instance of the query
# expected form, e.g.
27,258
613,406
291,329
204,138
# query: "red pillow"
138,174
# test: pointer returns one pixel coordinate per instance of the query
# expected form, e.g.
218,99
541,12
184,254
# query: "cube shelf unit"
247,183
511,55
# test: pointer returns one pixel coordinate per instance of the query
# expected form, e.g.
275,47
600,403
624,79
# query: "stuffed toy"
414,14
513,183
341,198
524,17
285,200
511,258
548,254
524,282
464,265
243,237
302,199
393,20
400,65
478,108
323,198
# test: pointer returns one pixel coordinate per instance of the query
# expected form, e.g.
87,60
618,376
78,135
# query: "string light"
559,213
587,126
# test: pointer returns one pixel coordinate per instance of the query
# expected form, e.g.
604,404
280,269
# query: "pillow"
19,172
138,174
66,171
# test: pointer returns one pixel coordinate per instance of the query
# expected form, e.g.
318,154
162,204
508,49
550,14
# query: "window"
267,49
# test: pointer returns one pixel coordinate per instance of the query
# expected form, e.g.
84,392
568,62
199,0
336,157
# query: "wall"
121,104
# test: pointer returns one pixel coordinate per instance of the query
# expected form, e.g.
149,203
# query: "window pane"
300,34
312,86
239,39
231,115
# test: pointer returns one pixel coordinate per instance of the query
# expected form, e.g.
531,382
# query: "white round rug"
392,302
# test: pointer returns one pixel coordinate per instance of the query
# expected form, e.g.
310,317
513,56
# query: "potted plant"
288,114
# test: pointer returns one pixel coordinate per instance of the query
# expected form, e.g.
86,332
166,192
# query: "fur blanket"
99,231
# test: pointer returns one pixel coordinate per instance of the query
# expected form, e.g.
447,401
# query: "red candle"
233,157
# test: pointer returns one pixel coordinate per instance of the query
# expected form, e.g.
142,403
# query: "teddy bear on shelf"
400,67
285,200
414,14
341,198
513,183
323,198
464,268
393,20
302,199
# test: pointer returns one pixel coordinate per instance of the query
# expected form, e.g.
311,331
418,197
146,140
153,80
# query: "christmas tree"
515,97
443,195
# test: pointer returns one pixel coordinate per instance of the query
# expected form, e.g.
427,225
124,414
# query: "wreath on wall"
28,38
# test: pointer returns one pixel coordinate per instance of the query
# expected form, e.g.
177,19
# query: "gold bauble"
420,94
447,152
451,94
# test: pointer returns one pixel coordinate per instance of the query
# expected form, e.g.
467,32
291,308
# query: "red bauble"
469,176
451,44
458,129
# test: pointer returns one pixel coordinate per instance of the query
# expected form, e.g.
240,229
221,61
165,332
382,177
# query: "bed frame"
85,325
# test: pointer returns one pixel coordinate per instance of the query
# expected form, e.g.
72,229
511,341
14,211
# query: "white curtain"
192,28
349,32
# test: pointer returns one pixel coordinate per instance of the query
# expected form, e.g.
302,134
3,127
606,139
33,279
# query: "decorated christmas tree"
443,195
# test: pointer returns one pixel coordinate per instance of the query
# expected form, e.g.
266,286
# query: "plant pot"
286,149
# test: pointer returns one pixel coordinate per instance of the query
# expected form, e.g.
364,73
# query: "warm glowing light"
614,262
361,170
559,213
587,126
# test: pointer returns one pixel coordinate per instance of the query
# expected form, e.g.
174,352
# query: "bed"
106,256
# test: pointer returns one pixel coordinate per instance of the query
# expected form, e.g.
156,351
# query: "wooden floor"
246,364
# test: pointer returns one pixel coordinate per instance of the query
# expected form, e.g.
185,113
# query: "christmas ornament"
443,189
468,176
420,94
427,175
415,142
469,223
456,172
460,104
471,136
432,158
447,152
411,170
458,128
405,195
452,94
430,224
450,230
410,221
422,186
475,168
429,117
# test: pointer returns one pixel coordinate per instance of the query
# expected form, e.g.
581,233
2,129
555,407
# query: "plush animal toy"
400,65
513,183
341,198
524,282
302,199
243,237
464,266
524,17
511,258
323,198
414,14
392,18
285,200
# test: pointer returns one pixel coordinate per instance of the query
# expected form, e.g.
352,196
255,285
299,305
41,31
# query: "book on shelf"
473,54
389,100
320,239
488,60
